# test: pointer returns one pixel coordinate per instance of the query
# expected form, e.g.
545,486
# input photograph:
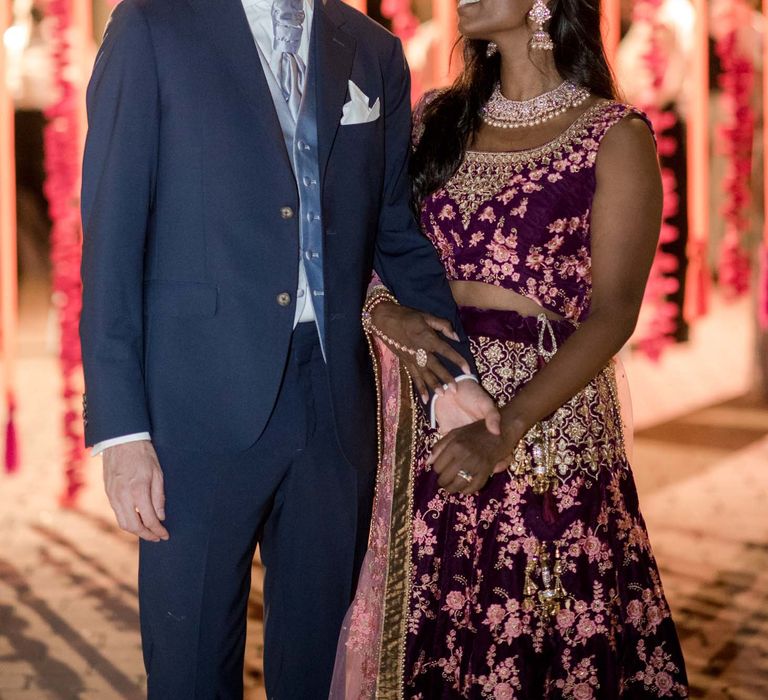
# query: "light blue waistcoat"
302,145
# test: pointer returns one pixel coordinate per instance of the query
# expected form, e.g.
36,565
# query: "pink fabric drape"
359,649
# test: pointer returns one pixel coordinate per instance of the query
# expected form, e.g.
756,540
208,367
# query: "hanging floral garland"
8,270
660,329
763,284
762,292
736,136
61,188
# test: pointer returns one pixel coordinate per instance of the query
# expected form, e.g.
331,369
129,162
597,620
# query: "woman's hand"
474,452
417,330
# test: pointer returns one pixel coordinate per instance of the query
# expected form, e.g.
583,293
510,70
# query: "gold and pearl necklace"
513,114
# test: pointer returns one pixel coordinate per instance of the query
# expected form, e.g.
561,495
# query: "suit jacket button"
283,298
286,213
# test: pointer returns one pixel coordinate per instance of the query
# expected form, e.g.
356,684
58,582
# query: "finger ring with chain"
421,357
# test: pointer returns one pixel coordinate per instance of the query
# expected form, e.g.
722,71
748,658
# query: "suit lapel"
226,24
334,53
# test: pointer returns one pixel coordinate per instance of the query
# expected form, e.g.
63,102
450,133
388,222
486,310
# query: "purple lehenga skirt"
543,585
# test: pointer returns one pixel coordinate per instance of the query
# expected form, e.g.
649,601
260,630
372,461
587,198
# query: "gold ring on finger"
465,475
421,357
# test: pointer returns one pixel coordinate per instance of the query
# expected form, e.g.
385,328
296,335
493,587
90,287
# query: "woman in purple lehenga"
518,565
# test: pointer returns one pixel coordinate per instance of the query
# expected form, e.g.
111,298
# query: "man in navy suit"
245,172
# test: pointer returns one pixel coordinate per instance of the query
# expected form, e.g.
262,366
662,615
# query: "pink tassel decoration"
11,442
762,291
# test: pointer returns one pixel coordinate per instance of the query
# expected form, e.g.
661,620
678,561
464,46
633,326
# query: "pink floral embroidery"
507,195
580,682
659,673
447,212
520,210
503,682
487,215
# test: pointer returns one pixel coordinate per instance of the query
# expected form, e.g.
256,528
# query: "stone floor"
68,601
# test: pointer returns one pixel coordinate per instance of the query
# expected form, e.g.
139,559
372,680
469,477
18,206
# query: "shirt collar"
266,5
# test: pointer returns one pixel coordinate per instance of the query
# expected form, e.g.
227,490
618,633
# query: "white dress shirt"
259,15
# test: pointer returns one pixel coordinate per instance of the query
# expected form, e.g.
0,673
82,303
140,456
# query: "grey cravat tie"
287,23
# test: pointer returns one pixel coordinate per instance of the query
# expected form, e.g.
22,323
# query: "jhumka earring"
492,49
540,14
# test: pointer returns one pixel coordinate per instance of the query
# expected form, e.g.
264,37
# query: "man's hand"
133,481
472,450
469,403
415,329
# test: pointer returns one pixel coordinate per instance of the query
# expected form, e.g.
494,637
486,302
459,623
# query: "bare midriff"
489,296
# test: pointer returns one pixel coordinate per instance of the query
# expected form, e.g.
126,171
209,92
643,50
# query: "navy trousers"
296,496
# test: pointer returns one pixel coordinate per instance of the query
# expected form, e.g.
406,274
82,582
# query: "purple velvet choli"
521,220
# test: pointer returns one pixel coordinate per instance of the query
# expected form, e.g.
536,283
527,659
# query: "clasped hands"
473,446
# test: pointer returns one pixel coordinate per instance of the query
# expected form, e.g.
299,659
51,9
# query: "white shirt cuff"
99,447
435,397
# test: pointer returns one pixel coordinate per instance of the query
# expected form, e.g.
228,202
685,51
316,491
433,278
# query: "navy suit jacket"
187,250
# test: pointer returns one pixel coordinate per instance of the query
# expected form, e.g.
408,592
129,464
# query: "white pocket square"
357,110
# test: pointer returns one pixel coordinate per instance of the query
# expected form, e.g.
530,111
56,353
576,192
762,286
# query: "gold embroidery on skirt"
583,433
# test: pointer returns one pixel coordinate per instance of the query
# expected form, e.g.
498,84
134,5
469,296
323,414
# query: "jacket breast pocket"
180,299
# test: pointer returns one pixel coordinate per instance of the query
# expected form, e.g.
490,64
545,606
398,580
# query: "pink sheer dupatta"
369,657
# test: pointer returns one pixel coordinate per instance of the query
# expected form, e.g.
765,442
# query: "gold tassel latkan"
550,595
538,466
529,587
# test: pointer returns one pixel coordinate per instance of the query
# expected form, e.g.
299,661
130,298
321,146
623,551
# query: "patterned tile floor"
68,605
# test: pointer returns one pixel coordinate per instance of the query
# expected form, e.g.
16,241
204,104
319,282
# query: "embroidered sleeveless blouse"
521,220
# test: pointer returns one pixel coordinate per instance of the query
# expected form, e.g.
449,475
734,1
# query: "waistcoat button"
286,213
283,298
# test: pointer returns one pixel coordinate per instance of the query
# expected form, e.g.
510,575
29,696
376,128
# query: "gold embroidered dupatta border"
394,612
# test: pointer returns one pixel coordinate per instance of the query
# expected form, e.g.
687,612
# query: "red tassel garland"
11,442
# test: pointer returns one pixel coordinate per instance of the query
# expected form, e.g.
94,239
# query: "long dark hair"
452,118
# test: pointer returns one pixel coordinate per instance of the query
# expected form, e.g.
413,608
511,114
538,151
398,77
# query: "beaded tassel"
542,476
550,595
530,589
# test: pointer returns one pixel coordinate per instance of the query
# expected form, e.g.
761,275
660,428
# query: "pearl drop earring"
540,14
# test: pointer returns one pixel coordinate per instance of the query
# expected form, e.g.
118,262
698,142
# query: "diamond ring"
465,475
